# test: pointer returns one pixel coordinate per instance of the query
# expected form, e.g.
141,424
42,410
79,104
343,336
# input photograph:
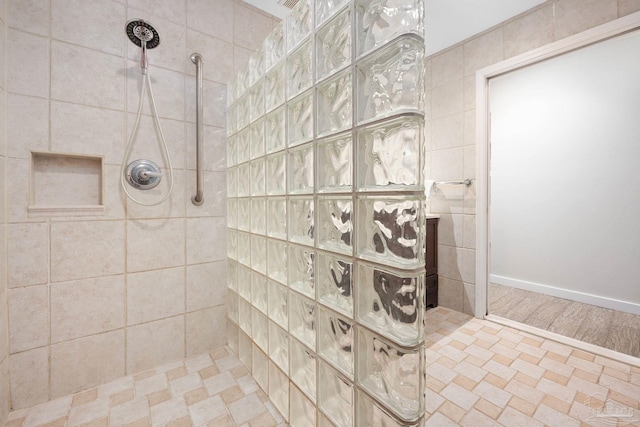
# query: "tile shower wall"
451,116
4,317
94,298
326,214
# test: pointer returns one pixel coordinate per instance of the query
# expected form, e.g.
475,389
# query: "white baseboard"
596,300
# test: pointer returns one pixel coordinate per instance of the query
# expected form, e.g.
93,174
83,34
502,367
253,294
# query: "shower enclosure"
326,214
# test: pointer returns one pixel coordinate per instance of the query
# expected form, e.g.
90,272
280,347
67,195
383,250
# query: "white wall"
565,192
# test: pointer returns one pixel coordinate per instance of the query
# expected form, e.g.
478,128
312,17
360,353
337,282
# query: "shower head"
139,30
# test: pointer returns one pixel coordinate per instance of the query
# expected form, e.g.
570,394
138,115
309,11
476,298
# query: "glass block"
242,82
274,47
279,346
302,319
303,368
232,274
256,133
243,143
276,174
390,230
278,304
232,148
277,217
335,287
300,113
301,169
232,244
370,414
244,214
327,8
244,282
277,260
394,375
259,292
301,409
275,131
301,274
298,23
275,87
256,66
391,80
244,111
335,229
336,341
260,329
279,390
299,70
259,253
335,109
335,396
244,180
391,302
244,350
391,155
232,305
334,163
244,315
333,45
258,215
231,93
256,100
232,213
232,336
379,21
301,221
260,368
232,182
244,249
232,119
258,184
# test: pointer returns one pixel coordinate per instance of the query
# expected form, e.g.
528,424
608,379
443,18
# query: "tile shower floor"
207,390
479,374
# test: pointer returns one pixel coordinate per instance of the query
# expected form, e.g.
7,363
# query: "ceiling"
447,21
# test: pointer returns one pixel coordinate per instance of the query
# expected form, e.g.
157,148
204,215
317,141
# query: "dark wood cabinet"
431,262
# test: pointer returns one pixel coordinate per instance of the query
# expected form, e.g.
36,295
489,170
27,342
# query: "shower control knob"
143,174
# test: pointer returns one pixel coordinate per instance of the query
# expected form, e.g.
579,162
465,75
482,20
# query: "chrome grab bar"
466,182
198,199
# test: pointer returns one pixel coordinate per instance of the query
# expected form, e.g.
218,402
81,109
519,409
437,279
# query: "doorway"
559,201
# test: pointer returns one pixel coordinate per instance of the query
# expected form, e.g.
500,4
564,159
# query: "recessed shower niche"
65,184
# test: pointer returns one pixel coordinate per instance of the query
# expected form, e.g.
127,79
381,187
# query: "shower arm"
198,198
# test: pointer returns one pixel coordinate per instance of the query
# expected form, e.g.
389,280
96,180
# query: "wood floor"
607,328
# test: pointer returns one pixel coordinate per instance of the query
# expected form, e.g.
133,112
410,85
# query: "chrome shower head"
139,30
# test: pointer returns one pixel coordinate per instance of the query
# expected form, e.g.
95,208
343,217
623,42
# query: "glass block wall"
326,214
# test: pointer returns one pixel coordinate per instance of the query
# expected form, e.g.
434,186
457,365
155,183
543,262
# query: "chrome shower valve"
143,174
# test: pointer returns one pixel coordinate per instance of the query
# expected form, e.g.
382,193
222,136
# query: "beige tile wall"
450,84
4,316
90,299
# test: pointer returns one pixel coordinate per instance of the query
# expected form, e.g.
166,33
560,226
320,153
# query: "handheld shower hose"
144,35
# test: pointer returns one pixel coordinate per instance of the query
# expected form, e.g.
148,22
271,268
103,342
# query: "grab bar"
466,182
198,199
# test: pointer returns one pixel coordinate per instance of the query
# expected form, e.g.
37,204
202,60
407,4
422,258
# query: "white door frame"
594,35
